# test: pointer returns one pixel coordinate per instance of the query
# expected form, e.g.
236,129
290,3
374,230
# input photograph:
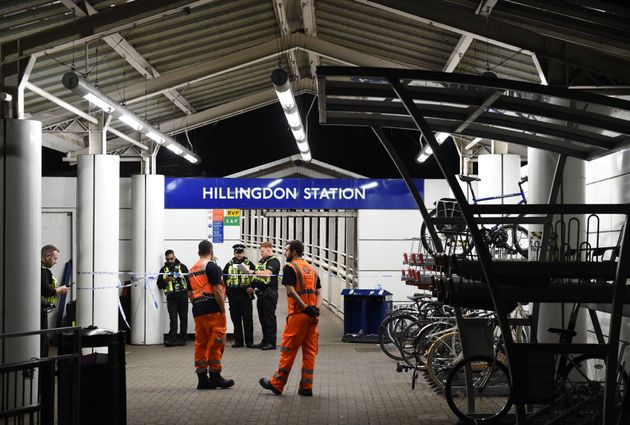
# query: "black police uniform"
176,300
241,311
267,291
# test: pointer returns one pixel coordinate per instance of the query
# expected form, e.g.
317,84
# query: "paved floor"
354,384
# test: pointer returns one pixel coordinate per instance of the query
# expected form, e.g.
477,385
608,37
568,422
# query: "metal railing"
28,387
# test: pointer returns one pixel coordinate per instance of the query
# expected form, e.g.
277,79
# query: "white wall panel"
388,224
59,192
125,192
185,224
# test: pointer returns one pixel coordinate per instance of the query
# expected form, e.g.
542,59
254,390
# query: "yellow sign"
233,213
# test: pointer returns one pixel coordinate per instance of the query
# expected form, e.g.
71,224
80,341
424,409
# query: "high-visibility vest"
53,285
199,283
265,280
235,276
178,283
305,284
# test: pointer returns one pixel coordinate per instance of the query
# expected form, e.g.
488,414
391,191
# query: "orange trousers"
300,331
209,342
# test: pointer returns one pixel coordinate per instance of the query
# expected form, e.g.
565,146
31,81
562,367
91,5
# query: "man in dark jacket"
50,290
173,279
237,280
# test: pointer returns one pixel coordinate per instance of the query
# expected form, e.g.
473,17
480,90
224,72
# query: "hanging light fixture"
280,80
426,151
72,81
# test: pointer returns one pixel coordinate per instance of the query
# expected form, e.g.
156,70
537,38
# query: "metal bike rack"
432,101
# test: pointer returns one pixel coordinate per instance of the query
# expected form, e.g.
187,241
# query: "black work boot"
204,382
216,380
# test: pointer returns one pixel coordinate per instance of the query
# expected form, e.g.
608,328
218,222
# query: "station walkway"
355,383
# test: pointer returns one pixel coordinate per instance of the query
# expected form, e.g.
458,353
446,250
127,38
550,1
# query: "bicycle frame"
520,194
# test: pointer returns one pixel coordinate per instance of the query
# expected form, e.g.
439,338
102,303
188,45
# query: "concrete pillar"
541,168
147,192
98,234
20,215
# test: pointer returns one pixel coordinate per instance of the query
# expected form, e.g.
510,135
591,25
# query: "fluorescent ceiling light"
190,158
95,100
136,125
286,99
174,149
155,137
306,156
299,134
303,146
293,118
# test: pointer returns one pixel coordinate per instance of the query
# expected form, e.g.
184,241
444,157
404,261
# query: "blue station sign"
289,193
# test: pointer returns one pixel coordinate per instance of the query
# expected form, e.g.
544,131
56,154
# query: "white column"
98,234
20,191
541,169
499,175
147,192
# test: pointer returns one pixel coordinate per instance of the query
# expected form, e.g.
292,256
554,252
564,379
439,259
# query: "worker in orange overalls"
207,295
304,297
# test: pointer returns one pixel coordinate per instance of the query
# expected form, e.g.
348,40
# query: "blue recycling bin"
364,310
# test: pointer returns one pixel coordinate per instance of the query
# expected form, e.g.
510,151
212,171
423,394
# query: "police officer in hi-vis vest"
50,290
265,282
301,281
237,280
173,279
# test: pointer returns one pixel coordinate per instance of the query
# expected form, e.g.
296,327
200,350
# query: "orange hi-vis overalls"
209,328
300,330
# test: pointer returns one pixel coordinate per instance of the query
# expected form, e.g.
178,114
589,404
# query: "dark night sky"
262,136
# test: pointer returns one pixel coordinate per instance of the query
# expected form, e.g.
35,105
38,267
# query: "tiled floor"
354,384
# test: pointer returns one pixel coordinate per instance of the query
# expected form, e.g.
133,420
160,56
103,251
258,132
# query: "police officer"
265,281
173,279
237,282
50,290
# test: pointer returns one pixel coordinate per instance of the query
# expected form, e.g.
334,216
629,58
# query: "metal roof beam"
204,70
131,55
439,14
310,29
280,10
484,9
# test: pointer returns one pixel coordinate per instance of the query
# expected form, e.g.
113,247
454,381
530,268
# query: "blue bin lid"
365,292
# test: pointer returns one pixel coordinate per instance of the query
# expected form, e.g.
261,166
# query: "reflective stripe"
280,377
213,362
306,381
300,279
201,370
201,363
178,280
307,371
287,349
218,340
283,370
235,276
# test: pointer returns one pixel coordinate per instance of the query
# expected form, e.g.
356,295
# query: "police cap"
238,247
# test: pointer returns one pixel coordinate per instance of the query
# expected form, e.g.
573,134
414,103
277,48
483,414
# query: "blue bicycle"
501,238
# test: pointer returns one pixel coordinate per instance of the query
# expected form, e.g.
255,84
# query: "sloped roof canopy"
572,122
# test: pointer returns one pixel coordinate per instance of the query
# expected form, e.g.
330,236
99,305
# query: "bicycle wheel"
443,354
520,240
427,335
485,396
390,331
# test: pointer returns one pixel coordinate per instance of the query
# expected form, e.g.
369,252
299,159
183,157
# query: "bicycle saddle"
468,179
